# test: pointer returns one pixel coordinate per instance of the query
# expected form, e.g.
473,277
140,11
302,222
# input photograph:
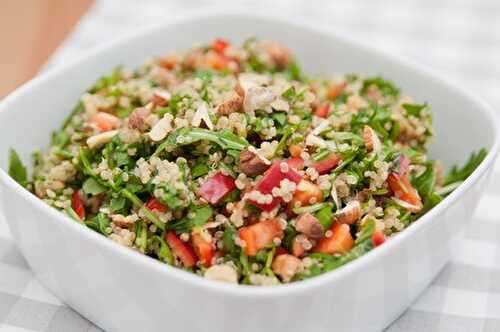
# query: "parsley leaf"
16,169
460,174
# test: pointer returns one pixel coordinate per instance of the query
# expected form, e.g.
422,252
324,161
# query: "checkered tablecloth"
459,38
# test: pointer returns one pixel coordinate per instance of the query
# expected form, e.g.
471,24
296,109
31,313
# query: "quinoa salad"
229,162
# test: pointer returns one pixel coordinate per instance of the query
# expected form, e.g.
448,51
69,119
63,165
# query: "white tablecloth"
459,38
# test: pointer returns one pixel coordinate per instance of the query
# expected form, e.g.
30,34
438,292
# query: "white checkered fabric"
458,38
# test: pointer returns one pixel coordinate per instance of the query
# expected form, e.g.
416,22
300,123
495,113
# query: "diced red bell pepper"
322,110
216,188
77,204
402,188
339,242
204,249
378,238
181,249
260,235
155,205
219,45
325,165
295,162
271,179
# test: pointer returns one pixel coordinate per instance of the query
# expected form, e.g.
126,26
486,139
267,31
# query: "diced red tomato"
260,235
204,249
307,193
322,110
378,238
104,121
271,179
77,204
219,45
335,90
295,162
402,188
217,187
155,205
340,242
181,249
325,165
216,61
168,62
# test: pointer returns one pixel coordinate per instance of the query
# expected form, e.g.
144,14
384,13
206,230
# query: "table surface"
458,38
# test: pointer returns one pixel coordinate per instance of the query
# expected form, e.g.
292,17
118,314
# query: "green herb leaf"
414,109
197,215
460,174
226,139
92,187
16,169
426,181
387,88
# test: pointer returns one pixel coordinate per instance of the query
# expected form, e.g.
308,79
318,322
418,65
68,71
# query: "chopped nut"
137,120
160,98
371,140
222,273
234,104
257,98
298,249
122,221
286,266
295,150
310,226
161,128
280,55
101,139
280,104
349,214
252,164
202,114
251,80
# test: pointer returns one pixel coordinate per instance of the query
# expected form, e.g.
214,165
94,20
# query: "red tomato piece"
271,179
322,110
402,188
77,204
155,205
260,235
219,45
378,238
216,188
339,242
181,250
295,162
325,165
203,249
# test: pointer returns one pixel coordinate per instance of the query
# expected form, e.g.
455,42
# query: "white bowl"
121,290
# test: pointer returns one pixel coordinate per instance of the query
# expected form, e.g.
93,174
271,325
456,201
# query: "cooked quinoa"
229,162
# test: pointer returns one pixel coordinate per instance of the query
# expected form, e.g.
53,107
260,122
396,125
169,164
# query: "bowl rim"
188,278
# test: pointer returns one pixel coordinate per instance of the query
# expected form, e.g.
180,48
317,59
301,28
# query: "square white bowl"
122,290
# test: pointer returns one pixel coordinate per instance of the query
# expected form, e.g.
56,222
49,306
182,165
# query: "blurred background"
459,39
